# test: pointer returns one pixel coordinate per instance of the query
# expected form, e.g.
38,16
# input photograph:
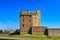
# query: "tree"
1,31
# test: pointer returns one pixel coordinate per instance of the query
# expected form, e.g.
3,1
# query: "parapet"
26,12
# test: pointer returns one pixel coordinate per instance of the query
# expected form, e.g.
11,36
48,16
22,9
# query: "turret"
38,12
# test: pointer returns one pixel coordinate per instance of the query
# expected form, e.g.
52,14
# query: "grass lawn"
38,37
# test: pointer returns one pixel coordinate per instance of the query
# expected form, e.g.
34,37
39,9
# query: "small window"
35,17
29,20
24,31
23,20
23,16
37,31
23,25
29,16
34,31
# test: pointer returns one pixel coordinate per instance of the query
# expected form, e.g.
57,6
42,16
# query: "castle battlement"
28,12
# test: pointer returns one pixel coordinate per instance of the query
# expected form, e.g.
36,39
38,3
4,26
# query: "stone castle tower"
36,19
29,22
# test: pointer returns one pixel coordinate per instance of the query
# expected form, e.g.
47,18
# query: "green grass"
24,36
41,37
27,36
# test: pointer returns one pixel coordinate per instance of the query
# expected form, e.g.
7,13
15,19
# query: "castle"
30,23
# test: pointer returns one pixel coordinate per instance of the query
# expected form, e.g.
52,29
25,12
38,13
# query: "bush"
1,31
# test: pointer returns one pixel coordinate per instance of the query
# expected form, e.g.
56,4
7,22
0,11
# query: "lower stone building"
34,30
53,32
37,30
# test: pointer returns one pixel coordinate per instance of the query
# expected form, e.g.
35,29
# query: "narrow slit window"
23,25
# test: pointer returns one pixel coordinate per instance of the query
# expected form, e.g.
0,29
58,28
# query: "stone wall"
53,32
37,30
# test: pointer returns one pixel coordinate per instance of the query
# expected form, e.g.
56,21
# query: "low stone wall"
54,32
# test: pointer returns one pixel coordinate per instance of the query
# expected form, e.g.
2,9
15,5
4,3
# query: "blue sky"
10,11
